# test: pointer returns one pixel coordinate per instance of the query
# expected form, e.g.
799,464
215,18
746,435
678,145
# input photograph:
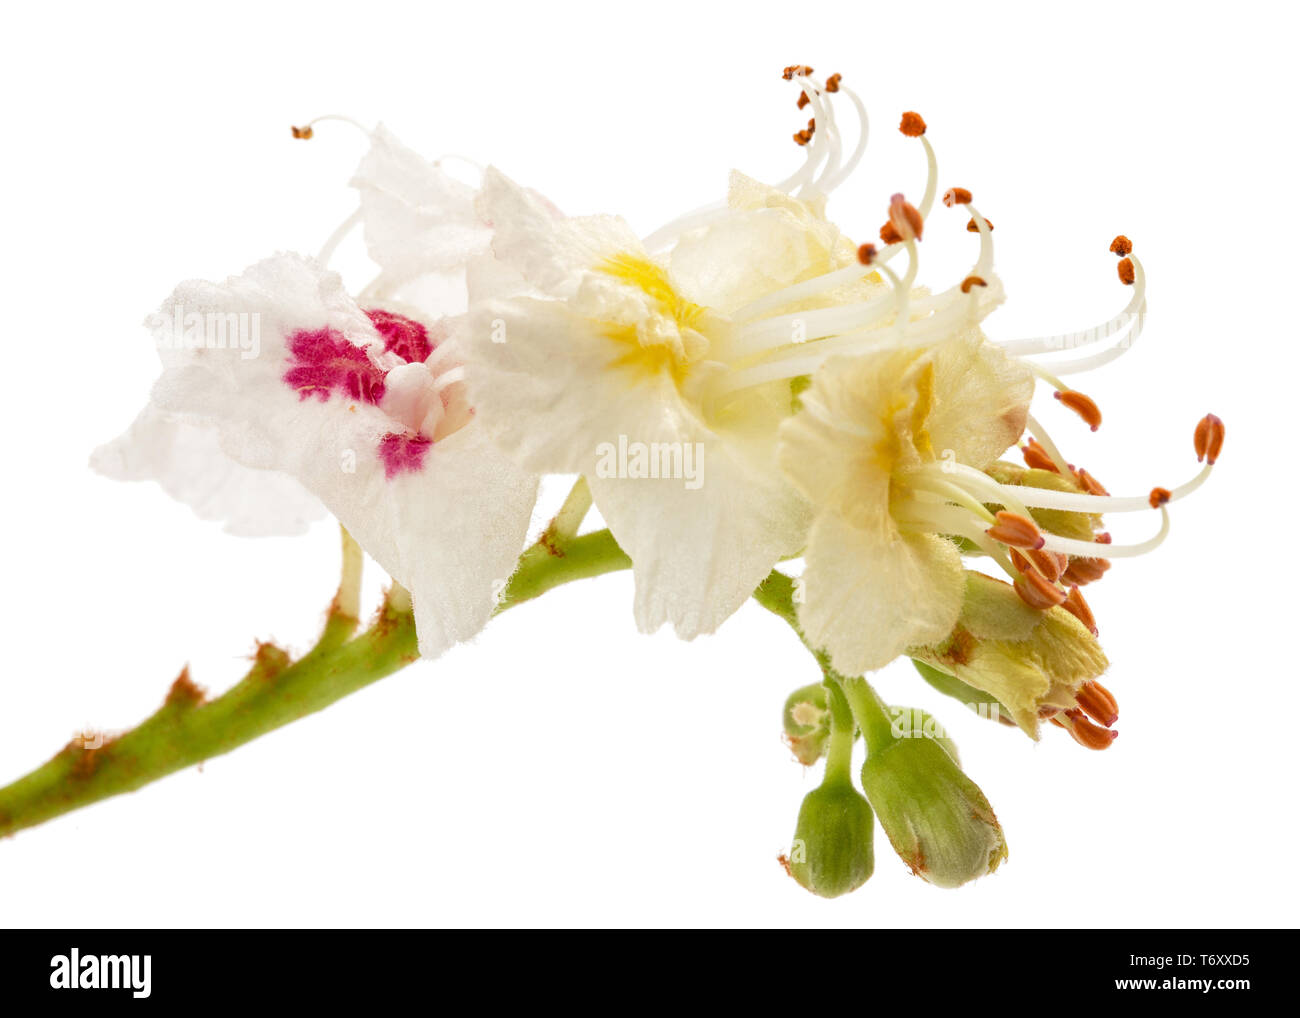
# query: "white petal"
417,218
870,593
547,249
187,462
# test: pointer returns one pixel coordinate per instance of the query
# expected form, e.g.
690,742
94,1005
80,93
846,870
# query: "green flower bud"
807,723
914,723
831,852
936,818
1029,661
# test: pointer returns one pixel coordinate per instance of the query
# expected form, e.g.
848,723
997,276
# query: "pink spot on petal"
403,336
325,361
403,452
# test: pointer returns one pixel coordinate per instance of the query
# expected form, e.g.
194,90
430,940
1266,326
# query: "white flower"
421,230
366,408
872,449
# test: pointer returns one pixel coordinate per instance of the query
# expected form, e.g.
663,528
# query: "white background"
564,769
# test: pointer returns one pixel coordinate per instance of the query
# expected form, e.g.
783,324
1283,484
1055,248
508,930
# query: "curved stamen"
833,181
1128,319
1090,549
336,238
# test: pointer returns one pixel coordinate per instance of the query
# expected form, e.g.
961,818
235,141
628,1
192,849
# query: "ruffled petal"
187,462
981,399
870,593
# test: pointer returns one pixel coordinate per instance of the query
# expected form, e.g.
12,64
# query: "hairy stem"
188,729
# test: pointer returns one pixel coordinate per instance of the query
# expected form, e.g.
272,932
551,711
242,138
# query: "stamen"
1209,438
833,82
1036,592
970,281
956,196
912,125
973,227
1121,246
1048,564
1072,547
1126,273
905,219
1082,405
1084,732
1098,702
1078,607
1036,457
1016,531
1159,497
1048,446
867,254
803,100
305,133
1089,483
889,233
1083,571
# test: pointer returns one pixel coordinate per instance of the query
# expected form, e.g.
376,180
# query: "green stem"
188,729
777,595
839,748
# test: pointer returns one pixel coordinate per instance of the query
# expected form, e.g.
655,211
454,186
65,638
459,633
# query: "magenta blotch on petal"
325,361
403,452
403,336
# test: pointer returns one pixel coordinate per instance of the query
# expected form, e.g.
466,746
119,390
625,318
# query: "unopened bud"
937,819
807,723
831,853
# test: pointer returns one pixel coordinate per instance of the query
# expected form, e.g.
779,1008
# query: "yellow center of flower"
645,354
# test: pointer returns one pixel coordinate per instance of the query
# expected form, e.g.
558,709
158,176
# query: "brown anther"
1036,457
303,133
1049,564
803,99
1159,496
1121,246
867,254
890,235
1209,439
802,137
912,125
1098,703
1078,607
812,124
1086,734
1126,273
973,227
1016,531
796,69
1089,483
970,281
956,196
833,82
906,219
1082,571
1082,405
1036,592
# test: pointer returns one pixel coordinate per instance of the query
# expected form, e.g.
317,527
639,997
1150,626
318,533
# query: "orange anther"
890,235
973,227
1016,531
1121,245
1159,496
1078,607
1082,405
833,82
1126,273
912,125
1036,592
867,254
1098,703
1036,457
1086,734
304,133
906,219
803,99
956,196
1082,571
1209,439
970,281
